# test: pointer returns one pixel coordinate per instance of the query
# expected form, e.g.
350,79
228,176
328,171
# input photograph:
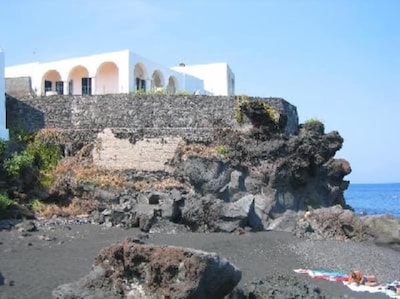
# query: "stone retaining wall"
139,132
19,86
149,154
130,111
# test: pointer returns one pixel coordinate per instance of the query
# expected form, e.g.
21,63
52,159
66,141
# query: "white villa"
122,72
218,78
3,130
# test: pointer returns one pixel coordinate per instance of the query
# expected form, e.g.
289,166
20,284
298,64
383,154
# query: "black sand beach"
33,265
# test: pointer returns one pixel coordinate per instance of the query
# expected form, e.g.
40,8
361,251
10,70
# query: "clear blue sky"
337,60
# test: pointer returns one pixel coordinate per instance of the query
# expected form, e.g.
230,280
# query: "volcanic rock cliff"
245,174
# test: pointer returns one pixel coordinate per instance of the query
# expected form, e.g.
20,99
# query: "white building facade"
109,73
218,78
3,129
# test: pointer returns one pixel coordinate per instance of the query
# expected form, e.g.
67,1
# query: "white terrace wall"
108,73
169,79
218,78
3,129
97,67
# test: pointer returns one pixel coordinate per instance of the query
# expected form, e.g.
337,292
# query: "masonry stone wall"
139,132
152,113
19,86
148,154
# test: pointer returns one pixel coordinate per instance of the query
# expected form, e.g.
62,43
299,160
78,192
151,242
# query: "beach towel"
384,289
330,275
333,275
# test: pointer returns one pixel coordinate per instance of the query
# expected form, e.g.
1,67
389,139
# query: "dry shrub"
198,149
74,208
100,177
48,133
158,185
81,169
52,135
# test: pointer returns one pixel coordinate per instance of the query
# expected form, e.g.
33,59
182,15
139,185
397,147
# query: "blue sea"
374,198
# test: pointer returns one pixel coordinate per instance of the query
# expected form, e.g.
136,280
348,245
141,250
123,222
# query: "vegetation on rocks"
222,150
5,201
240,102
27,163
265,119
314,124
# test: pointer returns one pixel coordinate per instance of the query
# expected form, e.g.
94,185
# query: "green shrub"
36,205
314,124
21,136
222,150
18,162
140,92
159,92
240,102
3,146
271,112
38,156
5,201
46,155
182,93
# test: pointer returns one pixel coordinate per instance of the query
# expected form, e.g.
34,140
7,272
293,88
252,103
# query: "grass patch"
38,158
314,124
5,201
222,150
75,208
158,185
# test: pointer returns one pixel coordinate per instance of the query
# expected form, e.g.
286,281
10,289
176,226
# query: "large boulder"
330,223
202,213
277,286
206,175
384,229
132,270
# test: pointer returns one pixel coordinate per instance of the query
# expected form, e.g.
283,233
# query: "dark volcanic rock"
277,286
297,171
330,223
333,223
132,270
206,175
202,213
385,229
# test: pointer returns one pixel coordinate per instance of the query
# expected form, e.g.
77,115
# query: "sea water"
374,198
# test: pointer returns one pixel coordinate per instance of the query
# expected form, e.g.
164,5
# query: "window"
86,86
47,86
60,87
140,84
71,88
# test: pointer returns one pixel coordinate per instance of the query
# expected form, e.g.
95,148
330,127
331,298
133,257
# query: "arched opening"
140,76
79,82
172,85
157,80
107,78
51,83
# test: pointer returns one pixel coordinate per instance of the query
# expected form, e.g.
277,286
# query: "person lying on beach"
358,278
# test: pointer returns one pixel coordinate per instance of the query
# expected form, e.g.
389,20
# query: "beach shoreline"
33,264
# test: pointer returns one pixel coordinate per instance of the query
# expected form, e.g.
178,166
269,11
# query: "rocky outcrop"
385,229
330,223
296,172
247,177
277,286
132,270
333,223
